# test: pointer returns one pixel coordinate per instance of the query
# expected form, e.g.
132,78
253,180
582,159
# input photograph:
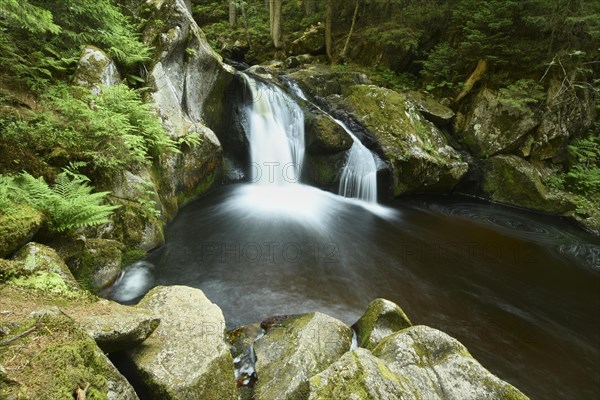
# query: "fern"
69,203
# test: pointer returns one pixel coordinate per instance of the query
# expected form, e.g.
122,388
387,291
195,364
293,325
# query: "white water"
359,176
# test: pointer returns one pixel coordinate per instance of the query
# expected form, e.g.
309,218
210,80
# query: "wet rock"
95,68
17,227
360,375
322,81
186,357
433,111
440,367
490,127
323,135
296,349
382,318
37,258
100,264
420,158
512,180
115,327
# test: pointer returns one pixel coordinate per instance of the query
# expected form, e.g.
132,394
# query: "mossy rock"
9,270
512,180
324,135
17,227
61,360
100,263
360,375
44,261
312,41
418,153
382,318
291,352
95,68
440,367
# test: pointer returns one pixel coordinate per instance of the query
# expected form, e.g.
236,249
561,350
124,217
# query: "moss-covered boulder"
186,357
17,227
324,135
55,361
512,180
431,109
100,264
418,153
8,270
115,327
359,375
322,81
95,68
35,258
312,41
382,318
292,351
440,367
489,126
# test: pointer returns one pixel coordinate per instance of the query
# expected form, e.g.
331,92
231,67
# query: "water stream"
520,290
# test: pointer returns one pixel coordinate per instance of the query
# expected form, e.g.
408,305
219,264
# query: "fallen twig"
6,342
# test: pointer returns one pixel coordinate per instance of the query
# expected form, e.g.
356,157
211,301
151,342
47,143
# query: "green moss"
9,270
131,256
46,281
18,224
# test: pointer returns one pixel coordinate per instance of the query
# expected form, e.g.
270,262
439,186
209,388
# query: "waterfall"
275,133
359,175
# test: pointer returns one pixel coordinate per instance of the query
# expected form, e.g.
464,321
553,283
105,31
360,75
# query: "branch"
20,335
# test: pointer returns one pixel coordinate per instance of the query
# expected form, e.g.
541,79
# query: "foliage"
108,131
521,94
69,203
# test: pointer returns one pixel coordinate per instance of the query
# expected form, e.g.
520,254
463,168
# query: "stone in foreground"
186,357
294,350
382,318
440,367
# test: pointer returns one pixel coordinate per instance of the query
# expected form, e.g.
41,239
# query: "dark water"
521,291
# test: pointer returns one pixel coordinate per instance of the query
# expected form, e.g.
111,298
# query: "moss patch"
17,226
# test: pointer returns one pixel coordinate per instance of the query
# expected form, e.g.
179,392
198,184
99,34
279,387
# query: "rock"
296,349
323,135
37,258
17,227
323,170
61,360
360,375
236,50
512,180
418,153
100,263
186,357
433,111
115,327
95,67
300,60
312,41
568,114
320,80
440,367
8,270
489,127
382,318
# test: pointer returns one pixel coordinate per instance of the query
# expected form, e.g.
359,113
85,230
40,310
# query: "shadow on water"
521,291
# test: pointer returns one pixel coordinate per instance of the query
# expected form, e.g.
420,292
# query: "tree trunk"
275,19
232,14
245,19
328,22
343,55
309,7
473,79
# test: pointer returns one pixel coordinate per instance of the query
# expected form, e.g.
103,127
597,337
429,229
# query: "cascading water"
359,176
275,133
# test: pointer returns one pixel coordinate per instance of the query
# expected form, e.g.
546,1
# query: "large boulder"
186,357
294,350
95,68
324,135
321,81
382,318
312,41
115,327
35,258
17,227
440,367
100,264
418,153
57,360
432,110
512,180
360,375
489,126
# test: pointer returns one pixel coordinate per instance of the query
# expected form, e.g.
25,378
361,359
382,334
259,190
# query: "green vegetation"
69,204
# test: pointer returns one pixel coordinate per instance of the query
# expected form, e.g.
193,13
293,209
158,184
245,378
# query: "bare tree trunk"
473,79
232,14
309,7
245,19
275,22
328,22
343,55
